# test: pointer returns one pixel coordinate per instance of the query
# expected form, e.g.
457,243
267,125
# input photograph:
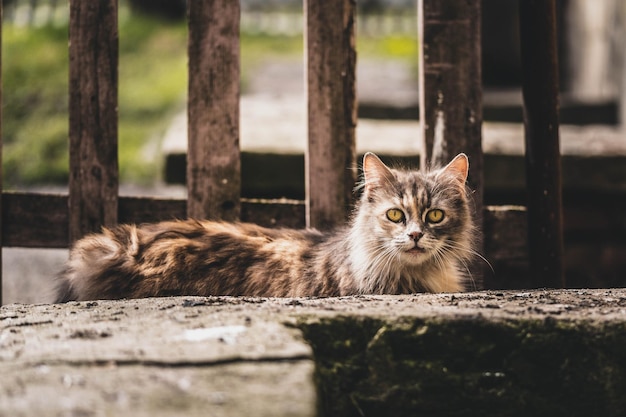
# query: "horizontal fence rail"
41,220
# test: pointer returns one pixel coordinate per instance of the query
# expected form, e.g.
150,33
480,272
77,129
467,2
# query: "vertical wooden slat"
332,110
93,182
451,92
541,120
213,157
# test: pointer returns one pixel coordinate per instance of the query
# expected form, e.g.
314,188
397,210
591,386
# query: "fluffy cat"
410,232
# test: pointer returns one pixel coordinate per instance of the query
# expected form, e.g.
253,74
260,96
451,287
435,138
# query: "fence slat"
213,156
451,92
332,109
93,181
540,87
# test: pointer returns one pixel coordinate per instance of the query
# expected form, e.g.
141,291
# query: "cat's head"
413,217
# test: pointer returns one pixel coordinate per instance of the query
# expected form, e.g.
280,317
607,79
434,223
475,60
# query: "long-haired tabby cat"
410,232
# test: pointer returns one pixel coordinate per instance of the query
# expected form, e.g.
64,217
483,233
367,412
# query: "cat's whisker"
453,250
474,253
470,276
380,268
439,257
446,251
391,274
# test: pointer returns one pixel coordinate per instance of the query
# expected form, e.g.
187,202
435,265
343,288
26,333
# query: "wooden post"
93,182
213,156
330,160
451,93
543,160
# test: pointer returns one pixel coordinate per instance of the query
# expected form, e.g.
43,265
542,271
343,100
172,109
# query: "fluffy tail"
64,291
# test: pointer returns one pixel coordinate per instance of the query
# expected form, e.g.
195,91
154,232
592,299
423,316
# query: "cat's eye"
395,215
435,216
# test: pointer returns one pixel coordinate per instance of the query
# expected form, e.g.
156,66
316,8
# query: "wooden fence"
450,103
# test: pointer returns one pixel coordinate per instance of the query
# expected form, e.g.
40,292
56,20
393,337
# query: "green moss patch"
468,367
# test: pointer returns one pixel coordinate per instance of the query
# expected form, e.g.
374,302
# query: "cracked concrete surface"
250,356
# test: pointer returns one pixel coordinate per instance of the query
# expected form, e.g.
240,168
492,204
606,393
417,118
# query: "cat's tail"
94,263
63,291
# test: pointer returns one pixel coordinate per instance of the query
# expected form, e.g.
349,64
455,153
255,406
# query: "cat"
410,232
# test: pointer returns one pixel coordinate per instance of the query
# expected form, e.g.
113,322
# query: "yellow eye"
395,215
435,216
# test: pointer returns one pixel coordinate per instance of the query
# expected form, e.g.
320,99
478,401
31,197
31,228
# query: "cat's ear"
375,173
458,168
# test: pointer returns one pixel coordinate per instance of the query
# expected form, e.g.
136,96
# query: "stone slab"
277,124
273,141
152,358
497,353
146,391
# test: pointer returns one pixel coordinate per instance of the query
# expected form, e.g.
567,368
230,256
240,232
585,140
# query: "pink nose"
415,236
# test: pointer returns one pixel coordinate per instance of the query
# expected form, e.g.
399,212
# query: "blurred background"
152,114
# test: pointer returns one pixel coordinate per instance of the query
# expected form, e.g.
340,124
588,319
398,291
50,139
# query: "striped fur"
371,255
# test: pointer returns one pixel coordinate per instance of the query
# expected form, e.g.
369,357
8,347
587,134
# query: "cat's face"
417,216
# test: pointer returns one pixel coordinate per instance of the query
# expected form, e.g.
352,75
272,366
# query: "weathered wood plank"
32,220
213,160
451,90
332,110
505,247
151,210
93,180
269,213
35,220
540,88
450,77
41,220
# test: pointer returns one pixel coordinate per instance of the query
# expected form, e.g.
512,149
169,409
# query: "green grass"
390,47
152,85
34,105
152,88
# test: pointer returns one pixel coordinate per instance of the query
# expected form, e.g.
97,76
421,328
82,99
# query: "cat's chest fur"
410,232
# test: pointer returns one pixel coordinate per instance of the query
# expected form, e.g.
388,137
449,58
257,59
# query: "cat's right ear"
458,168
375,173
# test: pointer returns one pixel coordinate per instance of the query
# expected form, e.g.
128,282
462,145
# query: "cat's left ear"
458,168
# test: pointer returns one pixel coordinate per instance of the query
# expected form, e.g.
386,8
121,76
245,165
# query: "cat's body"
411,232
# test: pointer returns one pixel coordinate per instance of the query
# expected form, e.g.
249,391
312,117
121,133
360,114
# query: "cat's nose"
415,236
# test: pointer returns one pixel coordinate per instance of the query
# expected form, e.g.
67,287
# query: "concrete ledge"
274,138
487,353
161,357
